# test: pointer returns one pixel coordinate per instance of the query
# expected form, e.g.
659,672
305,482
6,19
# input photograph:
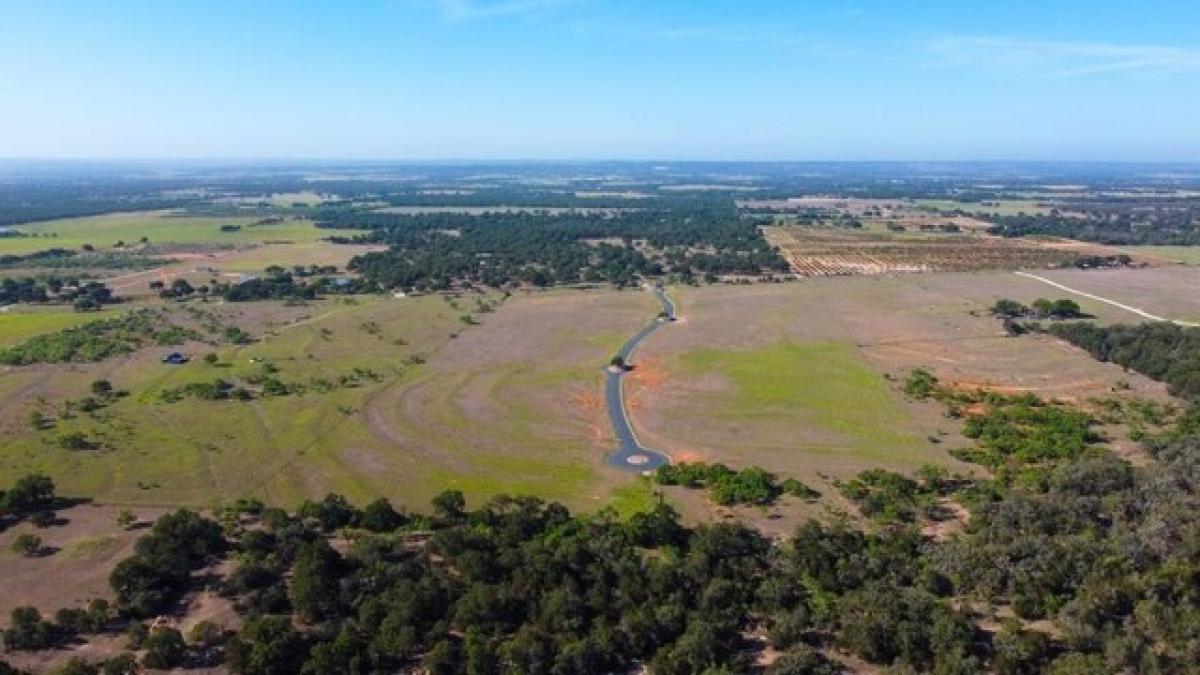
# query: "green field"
798,401
160,227
503,423
1186,255
20,324
1005,207
202,452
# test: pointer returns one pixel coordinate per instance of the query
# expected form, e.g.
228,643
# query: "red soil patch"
586,400
588,403
975,410
648,373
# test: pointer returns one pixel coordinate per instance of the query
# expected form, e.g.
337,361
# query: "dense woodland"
24,202
433,251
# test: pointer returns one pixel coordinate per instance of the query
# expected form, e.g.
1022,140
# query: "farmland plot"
823,253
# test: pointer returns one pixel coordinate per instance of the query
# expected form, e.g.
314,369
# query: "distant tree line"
1129,222
29,201
277,284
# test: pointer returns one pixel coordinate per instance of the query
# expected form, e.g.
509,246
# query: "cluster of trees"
97,340
1012,433
52,255
1042,308
726,486
30,494
28,631
1161,351
63,259
277,284
433,251
85,296
215,390
150,581
274,287
890,497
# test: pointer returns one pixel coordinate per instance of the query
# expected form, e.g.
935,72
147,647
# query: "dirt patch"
958,517
84,548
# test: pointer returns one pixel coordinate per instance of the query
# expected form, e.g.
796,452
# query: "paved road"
630,454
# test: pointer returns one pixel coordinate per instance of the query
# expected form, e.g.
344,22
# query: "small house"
175,358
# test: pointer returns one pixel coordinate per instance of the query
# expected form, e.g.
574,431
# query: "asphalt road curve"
630,454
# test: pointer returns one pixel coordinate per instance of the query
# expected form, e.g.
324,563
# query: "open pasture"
801,378
509,402
201,267
159,227
19,323
1182,255
1168,292
517,404
202,452
804,378
1002,207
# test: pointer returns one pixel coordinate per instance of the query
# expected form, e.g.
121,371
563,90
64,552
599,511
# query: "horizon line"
578,160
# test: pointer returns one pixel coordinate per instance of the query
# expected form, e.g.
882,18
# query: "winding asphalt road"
630,454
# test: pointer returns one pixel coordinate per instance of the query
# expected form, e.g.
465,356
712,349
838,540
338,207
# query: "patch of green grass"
160,227
92,548
1004,207
1187,255
838,403
634,497
18,326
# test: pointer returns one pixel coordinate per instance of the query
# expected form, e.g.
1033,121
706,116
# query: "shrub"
28,545
164,648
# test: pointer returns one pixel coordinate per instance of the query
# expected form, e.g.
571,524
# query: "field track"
1140,312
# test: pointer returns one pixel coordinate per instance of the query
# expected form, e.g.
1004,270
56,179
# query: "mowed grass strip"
839,403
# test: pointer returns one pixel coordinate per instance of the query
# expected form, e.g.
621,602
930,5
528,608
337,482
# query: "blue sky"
576,79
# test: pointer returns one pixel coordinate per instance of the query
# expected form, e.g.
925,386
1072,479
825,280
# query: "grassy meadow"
200,452
20,323
1004,207
829,401
159,227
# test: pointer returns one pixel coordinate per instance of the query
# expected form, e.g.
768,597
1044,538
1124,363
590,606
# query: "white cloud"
1058,58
